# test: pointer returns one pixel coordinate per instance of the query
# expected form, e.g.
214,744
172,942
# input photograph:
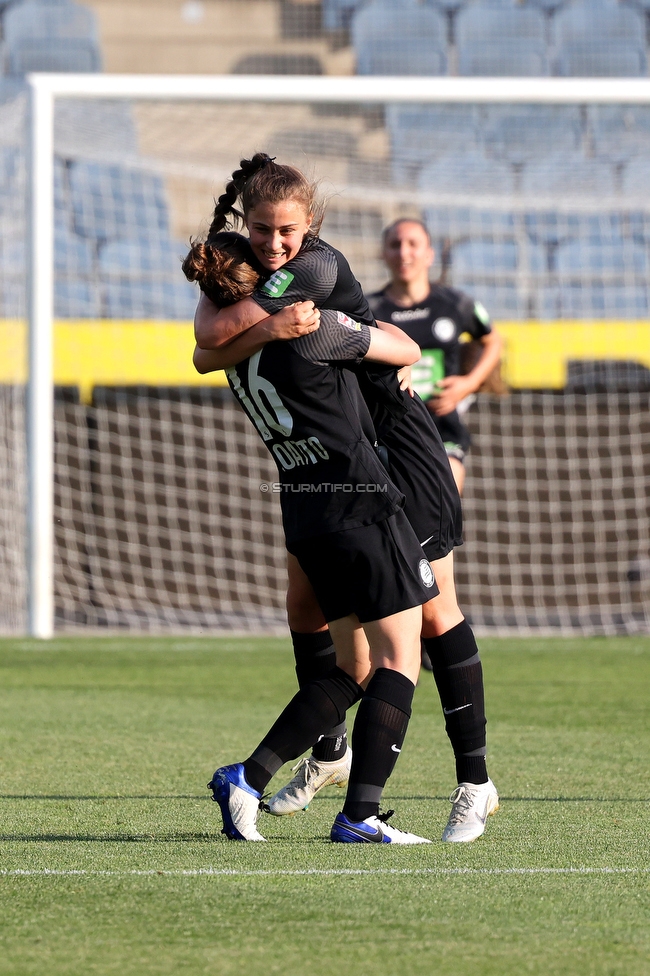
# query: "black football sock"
459,677
379,730
320,705
315,657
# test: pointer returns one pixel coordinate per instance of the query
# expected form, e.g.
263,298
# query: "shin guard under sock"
459,676
315,657
320,705
379,730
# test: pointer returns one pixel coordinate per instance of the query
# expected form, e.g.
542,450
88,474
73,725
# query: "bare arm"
216,327
456,388
289,323
391,346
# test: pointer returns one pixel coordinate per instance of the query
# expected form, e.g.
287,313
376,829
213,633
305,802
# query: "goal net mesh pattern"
539,212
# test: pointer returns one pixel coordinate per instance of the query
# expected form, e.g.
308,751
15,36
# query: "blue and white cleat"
374,830
239,803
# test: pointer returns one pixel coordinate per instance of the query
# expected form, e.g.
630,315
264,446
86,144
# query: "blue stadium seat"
485,257
399,37
565,175
456,223
606,258
117,202
75,284
467,174
448,6
600,38
636,178
620,131
548,6
501,39
143,279
101,129
419,133
50,35
502,300
337,14
595,299
519,134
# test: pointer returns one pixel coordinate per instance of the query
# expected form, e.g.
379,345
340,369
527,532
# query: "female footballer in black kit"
435,317
344,524
418,465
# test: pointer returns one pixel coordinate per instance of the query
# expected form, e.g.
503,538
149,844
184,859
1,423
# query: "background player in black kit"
435,317
418,464
357,548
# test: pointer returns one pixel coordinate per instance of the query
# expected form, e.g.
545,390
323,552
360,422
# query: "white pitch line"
309,872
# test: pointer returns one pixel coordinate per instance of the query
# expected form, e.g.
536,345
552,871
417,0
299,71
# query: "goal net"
537,208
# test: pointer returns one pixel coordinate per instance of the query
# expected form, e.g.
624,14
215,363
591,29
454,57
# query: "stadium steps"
167,36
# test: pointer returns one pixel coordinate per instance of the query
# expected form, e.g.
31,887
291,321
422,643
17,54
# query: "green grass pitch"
112,861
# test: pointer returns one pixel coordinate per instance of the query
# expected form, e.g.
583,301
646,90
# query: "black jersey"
318,273
404,426
322,274
314,422
436,324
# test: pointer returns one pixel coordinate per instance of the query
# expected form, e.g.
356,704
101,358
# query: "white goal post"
44,89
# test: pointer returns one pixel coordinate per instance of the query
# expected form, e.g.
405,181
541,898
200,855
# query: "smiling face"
408,252
276,231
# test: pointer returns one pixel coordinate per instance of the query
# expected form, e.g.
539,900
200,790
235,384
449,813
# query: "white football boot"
312,775
471,806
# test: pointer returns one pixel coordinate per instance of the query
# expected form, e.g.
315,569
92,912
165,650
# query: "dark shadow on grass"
113,838
119,796
534,799
193,838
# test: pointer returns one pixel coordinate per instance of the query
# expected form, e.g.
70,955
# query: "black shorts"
455,435
418,465
373,571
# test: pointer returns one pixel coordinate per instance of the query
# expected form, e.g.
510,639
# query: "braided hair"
262,180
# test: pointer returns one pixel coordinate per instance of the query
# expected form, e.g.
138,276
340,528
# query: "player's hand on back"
294,321
405,381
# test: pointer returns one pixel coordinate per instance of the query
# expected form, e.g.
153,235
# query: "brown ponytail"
221,268
262,180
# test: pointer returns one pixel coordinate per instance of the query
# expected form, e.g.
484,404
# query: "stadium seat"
143,279
50,35
75,287
600,38
313,142
521,134
419,133
98,129
593,300
565,175
636,178
337,14
502,300
468,173
485,257
606,258
117,202
278,64
455,223
620,131
399,37
501,39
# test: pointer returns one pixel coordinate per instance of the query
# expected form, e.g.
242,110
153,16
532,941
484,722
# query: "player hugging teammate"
278,208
